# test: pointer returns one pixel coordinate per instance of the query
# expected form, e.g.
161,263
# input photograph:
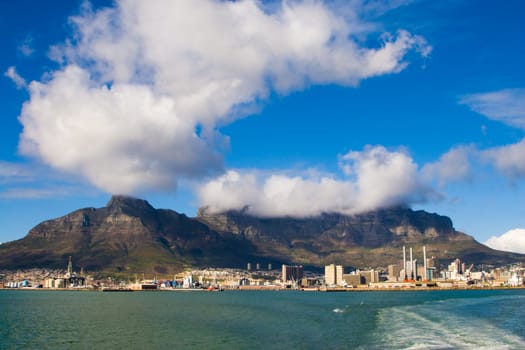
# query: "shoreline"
273,289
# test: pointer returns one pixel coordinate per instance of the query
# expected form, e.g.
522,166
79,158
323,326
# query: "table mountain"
370,239
128,235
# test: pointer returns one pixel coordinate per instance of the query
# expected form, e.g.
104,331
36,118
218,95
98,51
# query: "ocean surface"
486,319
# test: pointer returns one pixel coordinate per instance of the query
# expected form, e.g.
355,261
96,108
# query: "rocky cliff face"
126,235
370,239
374,229
129,235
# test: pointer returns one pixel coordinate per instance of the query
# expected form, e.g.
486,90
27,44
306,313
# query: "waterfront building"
421,271
49,283
455,270
60,283
187,282
67,280
430,273
292,273
370,276
333,275
145,285
353,279
359,278
395,272
456,266
309,282
515,280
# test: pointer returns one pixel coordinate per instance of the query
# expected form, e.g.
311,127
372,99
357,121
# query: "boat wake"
452,324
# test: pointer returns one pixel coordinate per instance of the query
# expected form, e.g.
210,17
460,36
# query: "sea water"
470,319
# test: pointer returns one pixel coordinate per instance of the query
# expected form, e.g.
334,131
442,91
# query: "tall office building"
333,275
292,273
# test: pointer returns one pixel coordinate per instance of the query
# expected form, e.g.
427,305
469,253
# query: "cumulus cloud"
506,106
511,241
144,85
12,74
120,138
375,178
383,178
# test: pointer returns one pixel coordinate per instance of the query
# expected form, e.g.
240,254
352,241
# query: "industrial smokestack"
405,262
411,265
425,275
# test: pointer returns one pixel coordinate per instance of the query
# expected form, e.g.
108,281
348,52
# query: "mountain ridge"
130,235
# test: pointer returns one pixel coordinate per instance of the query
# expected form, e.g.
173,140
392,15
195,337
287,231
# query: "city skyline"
292,108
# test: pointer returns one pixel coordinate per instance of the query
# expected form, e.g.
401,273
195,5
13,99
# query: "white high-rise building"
333,275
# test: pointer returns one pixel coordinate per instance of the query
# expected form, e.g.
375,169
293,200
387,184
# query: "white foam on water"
438,325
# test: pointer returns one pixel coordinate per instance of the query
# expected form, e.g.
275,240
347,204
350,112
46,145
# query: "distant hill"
130,236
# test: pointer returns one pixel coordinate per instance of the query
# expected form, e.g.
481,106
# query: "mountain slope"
126,235
370,239
130,236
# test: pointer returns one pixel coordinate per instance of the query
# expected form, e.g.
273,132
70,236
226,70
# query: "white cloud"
13,172
367,8
119,138
507,105
36,193
376,178
455,165
15,77
511,241
276,195
26,47
384,178
509,159
27,180
139,79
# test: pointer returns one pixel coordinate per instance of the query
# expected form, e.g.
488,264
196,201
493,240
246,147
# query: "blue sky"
290,109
